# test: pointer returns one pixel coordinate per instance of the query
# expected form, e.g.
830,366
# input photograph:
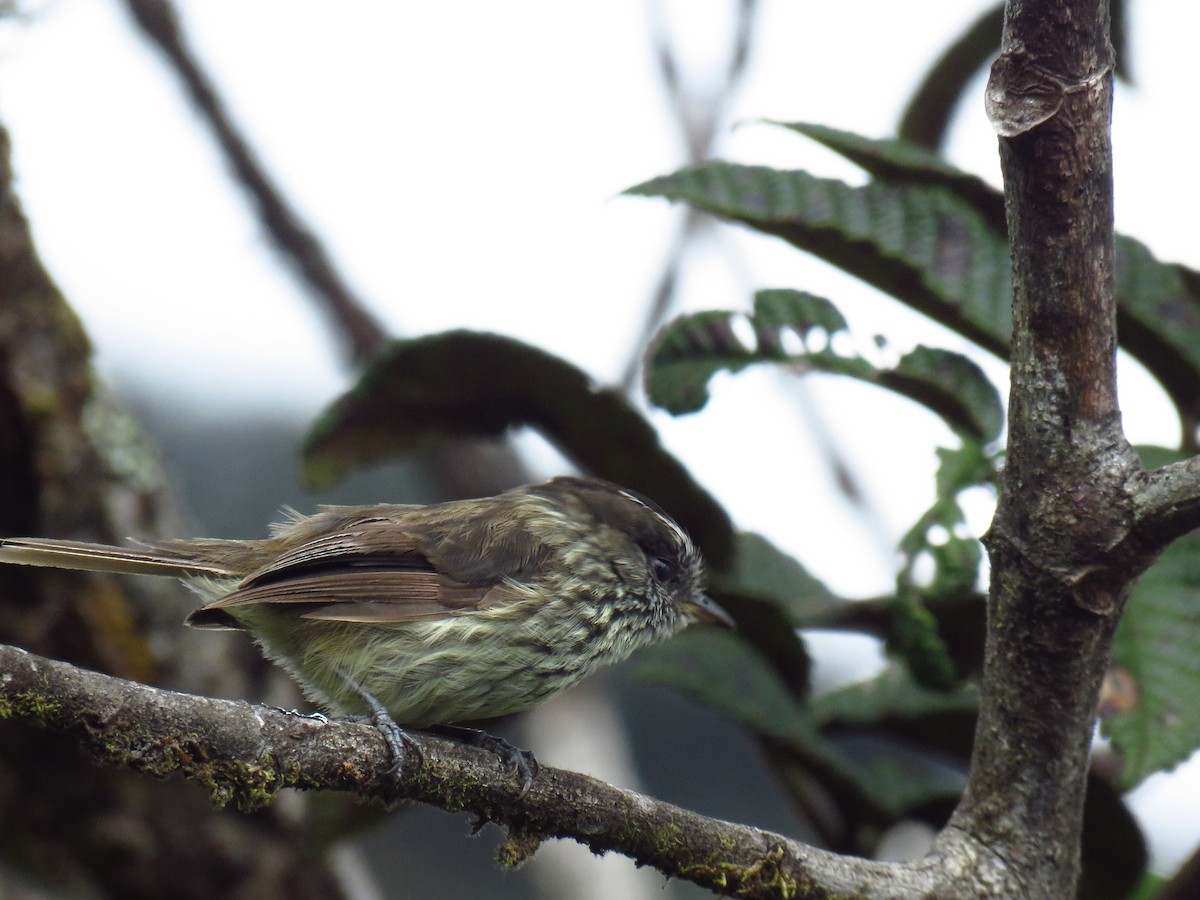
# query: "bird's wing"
360,595
372,570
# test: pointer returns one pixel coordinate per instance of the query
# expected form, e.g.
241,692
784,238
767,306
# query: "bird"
426,617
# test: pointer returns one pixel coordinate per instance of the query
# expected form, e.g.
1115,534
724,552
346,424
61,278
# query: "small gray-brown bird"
428,616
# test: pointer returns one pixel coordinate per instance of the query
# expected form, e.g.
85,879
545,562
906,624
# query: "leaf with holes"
939,531
690,350
955,557
1158,314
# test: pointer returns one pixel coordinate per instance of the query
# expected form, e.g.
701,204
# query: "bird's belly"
455,669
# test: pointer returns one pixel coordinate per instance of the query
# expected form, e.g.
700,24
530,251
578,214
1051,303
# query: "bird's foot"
400,743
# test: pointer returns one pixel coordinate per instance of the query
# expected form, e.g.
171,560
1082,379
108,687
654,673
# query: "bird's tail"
150,560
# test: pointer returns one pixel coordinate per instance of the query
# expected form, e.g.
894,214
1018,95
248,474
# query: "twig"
361,331
1168,503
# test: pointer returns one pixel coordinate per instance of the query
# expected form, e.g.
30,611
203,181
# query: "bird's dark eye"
662,569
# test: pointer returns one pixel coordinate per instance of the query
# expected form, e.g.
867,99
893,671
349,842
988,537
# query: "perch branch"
245,754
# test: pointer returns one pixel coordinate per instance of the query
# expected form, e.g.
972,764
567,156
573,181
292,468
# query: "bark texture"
1062,561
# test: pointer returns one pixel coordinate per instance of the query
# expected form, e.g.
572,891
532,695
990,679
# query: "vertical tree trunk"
1058,588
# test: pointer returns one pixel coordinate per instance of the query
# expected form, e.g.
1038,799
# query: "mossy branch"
243,753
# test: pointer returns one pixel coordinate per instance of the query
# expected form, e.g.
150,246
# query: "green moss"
249,785
29,705
517,848
764,877
462,791
668,839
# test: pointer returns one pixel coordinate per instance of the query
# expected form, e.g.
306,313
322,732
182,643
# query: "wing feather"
369,571
372,541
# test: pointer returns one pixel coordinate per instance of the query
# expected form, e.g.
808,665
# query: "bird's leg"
521,762
399,741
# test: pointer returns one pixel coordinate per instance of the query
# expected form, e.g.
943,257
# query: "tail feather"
104,558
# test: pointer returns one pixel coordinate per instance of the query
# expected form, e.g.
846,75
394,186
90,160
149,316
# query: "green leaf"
465,384
690,350
927,116
1158,303
916,634
933,237
769,592
779,309
892,696
937,727
951,385
923,244
1158,318
693,348
1153,457
724,673
956,557
1151,717
916,638
761,571
1149,887
903,163
900,777
966,466
721,670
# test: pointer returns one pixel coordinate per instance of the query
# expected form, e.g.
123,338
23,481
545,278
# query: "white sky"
463,161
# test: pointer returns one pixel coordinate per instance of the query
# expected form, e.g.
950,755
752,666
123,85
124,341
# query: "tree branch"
1167,503
294,239
245,754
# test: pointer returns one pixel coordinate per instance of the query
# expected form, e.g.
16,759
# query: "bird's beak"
701,608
